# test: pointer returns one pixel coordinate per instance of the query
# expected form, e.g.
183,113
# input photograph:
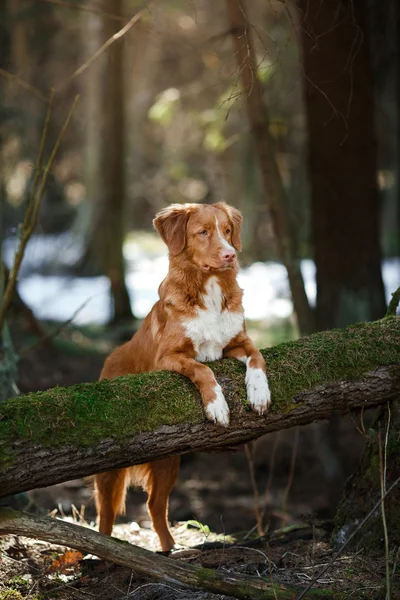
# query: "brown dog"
199,318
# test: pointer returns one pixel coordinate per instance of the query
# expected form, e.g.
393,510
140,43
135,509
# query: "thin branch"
24,85
33,207
38,170
51,160
271,473
52,334
36,327
102,49
382,473
248,449
395,562
291,475
28,221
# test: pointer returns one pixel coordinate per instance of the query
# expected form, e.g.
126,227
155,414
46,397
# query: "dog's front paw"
217,409
258,393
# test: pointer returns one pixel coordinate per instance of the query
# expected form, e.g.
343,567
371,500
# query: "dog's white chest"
213,328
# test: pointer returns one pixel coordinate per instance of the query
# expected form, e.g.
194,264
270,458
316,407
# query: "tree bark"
275,194
145,562
54,436
380,466
342,149
107,228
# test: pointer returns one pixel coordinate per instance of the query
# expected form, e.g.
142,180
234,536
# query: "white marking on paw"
258,393
218,410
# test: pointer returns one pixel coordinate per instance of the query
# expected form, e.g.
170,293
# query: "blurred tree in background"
345,202
107,220
162,120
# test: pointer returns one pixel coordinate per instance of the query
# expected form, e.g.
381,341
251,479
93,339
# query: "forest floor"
35,570
213,500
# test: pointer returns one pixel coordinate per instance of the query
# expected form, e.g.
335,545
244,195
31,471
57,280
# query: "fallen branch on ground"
65,433
144,561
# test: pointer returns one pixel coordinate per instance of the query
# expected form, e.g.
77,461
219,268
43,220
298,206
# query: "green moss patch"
87,413
84,414
321,358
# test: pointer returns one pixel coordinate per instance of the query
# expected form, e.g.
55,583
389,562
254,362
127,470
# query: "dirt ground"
34,570
297,481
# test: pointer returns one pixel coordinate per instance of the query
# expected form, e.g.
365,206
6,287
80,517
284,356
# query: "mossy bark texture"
64,433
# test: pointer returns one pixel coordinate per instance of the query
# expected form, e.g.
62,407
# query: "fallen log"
65,433
146,562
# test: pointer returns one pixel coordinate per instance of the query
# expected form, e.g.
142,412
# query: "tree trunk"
365,485
53,436
275,194
145,562
384,33
380,463
108,218
342,151
27,107
19,39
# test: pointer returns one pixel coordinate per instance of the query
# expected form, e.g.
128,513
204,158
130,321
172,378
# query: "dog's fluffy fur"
198,318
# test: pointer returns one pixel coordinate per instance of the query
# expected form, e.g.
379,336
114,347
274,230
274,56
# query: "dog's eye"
227,231
204,232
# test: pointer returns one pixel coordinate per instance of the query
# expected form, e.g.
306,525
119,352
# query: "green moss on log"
87,413
326,357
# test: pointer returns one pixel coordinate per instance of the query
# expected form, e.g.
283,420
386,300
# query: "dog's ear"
236,219
171,224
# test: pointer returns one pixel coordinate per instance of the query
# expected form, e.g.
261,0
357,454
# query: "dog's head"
208,234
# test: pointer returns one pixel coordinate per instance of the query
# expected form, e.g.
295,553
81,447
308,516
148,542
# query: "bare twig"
291,475
36,327
271,472
52,334
28,224
38,171
154,585
52,157
270,568
395,562
347,542
248,449
382,473
102,49
24,85
33,206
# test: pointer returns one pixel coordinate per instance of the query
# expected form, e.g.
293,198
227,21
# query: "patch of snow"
57,297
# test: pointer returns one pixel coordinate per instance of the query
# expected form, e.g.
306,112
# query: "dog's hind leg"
110,493
161,480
